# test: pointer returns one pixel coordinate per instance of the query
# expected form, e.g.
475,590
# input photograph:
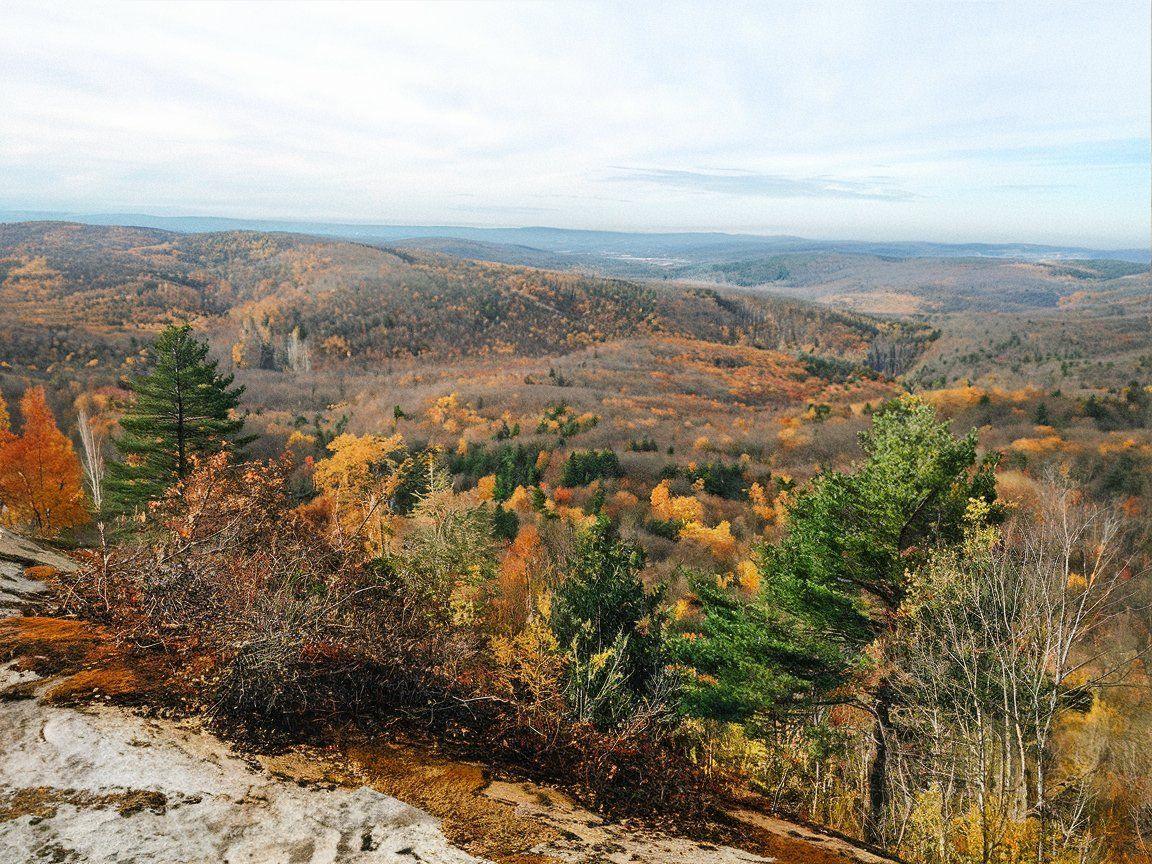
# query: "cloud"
943,113
767,185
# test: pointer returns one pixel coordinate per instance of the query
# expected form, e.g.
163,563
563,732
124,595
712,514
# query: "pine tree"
183,410
41,485
831,588
610,625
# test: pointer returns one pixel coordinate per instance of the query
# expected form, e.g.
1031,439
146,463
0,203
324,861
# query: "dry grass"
452,791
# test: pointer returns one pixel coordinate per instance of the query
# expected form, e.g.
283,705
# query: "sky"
944,121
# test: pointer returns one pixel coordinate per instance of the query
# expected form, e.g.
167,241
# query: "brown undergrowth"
234,608
84,662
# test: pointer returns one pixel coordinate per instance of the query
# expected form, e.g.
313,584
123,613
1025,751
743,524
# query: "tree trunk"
877,804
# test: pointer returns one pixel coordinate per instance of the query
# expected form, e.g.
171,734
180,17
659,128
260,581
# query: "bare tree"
297,351
1000,641
92,447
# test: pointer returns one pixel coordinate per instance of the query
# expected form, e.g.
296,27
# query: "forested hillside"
75,296
868,278
684,551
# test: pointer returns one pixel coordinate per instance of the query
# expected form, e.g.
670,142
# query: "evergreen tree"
853,539
747,658
1043,418
609,623
183,409
830,589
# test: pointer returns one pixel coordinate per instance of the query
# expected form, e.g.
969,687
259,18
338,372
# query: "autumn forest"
681,548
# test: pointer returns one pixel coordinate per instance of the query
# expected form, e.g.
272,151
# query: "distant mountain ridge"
689,246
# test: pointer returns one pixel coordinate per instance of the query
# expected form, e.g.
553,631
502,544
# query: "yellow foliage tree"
359,479
749,576
761,506
519,500
486,487
719,540
675,508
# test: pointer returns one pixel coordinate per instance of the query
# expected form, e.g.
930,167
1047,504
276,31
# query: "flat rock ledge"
102,785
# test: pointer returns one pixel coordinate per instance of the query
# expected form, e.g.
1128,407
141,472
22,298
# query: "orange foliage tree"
517,587
41,484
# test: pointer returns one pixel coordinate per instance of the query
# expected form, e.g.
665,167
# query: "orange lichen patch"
84,655
40,572
451,791
51,644
113,681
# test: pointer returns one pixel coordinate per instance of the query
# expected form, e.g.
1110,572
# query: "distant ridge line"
577,242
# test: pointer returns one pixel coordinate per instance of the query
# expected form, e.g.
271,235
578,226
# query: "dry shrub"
275,631
640,767
627,771
1019,490
275,626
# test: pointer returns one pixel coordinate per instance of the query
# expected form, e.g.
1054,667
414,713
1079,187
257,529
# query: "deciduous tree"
41,484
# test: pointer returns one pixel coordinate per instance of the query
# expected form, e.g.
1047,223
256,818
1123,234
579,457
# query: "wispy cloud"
767,185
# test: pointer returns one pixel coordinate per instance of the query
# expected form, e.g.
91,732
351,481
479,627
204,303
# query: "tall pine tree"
183,409
832,586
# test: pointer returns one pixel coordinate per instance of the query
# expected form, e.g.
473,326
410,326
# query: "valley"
423,405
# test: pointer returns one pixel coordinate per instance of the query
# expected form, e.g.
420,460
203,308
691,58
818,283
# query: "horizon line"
77,216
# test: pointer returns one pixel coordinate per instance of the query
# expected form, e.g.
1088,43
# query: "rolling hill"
74,296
